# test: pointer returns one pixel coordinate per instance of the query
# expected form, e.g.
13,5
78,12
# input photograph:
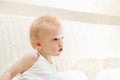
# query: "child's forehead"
57,33
50,28
54,30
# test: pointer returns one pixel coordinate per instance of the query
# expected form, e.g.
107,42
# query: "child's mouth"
60,50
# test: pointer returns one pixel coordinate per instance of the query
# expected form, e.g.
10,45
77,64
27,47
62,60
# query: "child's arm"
20,66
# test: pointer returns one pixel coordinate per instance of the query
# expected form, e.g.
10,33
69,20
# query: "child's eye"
58,38
55,38
62,37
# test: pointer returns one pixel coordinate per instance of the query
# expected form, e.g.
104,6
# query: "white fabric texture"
109,74
71,75
41,70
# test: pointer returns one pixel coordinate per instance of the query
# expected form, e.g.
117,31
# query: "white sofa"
109,74
14,42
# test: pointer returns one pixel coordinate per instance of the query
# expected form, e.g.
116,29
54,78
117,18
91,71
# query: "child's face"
53,42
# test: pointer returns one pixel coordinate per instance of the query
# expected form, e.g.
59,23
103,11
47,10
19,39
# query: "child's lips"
60,50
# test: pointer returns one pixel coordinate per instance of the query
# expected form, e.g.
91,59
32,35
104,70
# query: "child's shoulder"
31,56
28,59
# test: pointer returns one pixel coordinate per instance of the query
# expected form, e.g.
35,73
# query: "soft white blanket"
71,75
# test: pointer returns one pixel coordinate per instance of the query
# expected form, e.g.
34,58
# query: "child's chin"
58,54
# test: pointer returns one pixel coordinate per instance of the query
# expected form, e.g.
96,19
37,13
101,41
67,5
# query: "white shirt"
40,70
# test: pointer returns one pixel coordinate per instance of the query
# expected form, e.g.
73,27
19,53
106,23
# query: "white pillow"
109,74
71,75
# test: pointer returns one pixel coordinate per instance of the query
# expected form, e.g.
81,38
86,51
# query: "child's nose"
60,43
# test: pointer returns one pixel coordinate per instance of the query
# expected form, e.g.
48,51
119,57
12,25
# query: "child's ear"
37,44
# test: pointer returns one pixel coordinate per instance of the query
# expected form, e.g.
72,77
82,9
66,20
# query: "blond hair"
35,30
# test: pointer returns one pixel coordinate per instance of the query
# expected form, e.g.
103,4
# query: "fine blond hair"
35,27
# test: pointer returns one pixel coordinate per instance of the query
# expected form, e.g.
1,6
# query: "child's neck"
47,57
